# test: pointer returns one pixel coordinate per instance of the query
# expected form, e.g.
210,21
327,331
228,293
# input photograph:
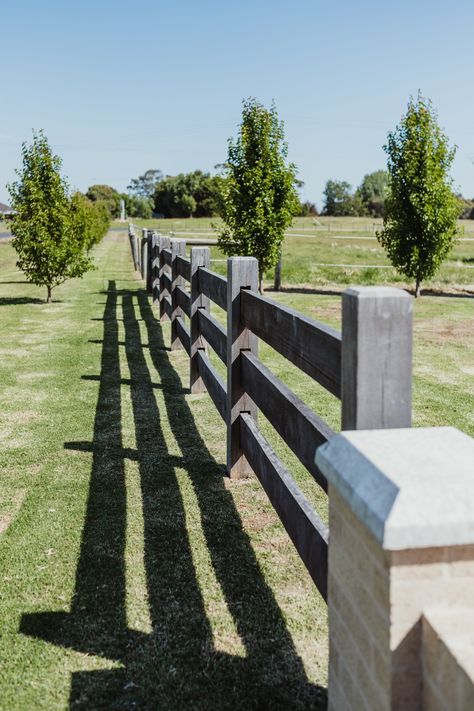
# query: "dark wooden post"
163,243
155,268
277,280
135,251
133,246
149,281
200,257
178,248
376,358
138,243
242,273
144,264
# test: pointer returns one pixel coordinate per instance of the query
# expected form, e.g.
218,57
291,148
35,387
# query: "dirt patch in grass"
437,331
260,521
24,417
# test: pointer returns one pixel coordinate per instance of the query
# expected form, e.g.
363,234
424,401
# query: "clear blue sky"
120,87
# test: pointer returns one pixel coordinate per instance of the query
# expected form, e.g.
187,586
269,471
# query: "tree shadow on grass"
18,281
465,294
19,300
306,290
176,665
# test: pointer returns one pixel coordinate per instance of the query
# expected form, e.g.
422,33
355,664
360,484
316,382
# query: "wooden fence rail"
367,365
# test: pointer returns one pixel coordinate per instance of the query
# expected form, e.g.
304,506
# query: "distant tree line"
368,200
194,194
466,208
340,200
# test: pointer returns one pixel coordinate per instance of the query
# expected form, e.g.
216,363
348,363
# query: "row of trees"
255,194
415,194
135,205
194,194
367,200
53,231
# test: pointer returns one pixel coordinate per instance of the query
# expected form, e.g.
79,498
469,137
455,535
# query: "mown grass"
134,575
341,251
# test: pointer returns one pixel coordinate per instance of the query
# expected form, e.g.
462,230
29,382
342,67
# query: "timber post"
242,273
178,249
164,271
144,260
376,358
200,257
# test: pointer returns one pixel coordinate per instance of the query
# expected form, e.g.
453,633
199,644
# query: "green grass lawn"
134,574
341,251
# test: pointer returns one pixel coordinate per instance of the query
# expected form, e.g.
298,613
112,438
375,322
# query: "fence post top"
377,292
412,488
241,259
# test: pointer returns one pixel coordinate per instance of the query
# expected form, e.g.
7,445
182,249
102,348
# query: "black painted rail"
367,366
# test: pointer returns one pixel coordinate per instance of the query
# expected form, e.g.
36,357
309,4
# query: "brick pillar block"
401,543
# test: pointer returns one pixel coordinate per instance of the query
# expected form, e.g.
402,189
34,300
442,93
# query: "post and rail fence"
398,570
367,366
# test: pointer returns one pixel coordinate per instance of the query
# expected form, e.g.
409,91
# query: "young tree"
51,246
259,194
421,209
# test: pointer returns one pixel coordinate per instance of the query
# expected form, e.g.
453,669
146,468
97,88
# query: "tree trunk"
417,288
260,281
49,298
277,281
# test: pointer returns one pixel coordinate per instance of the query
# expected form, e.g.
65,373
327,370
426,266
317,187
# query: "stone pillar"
401,543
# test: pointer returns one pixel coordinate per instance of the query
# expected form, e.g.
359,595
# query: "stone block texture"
378,605
448,659
401,570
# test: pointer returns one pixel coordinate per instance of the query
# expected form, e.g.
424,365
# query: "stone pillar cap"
412,488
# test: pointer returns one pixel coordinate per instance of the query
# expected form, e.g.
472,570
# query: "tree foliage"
259,192
421,209
138,206
50,240
144,186
368,199
372,191
91,219
338,199
195,194
107,195
307,209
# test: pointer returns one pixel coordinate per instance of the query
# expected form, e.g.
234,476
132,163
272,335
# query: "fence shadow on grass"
176,665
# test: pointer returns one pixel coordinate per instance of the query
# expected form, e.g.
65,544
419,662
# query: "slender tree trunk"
260,281
417,287
277,281
49,298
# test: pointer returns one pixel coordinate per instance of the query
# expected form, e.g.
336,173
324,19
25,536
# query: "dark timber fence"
368,366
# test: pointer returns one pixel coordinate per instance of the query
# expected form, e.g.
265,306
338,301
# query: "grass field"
134,575
341,251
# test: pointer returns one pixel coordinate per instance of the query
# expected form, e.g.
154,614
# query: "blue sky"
120,87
